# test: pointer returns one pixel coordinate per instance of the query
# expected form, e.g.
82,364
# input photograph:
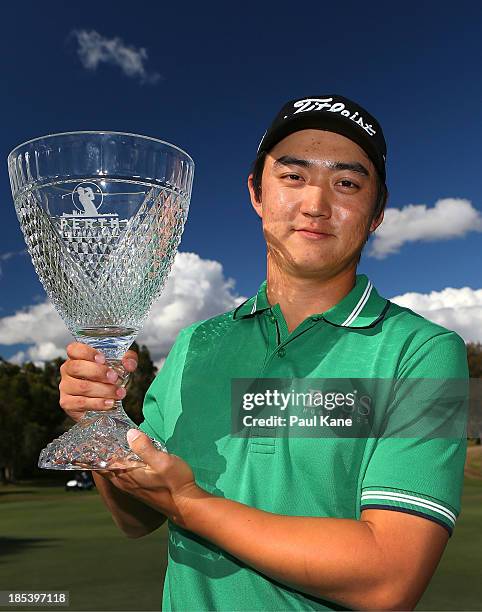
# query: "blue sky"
224,71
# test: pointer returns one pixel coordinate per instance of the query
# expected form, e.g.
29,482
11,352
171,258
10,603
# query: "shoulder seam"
427,340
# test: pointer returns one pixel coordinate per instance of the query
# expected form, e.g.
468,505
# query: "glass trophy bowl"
102,214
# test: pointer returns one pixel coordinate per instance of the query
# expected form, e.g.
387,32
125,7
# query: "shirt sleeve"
423,475
165,389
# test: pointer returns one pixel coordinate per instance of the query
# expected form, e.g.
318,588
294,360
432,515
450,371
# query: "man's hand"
88,383
165,483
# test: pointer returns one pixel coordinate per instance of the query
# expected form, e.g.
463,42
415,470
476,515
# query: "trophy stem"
112,341
116,412
98,441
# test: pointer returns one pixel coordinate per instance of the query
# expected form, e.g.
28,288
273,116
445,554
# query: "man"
273,522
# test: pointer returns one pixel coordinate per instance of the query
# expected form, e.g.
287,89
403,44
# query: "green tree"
139,382
474,357
29,416
10,420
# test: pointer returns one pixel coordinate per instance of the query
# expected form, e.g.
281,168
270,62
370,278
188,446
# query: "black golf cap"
333,113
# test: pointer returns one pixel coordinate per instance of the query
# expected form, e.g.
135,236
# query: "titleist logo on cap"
326,104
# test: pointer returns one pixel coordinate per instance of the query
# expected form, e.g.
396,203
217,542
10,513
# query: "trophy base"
97,442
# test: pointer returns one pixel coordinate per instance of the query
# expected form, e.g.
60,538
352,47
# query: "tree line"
30,416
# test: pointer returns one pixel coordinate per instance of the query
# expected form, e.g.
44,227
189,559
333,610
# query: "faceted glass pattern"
102,214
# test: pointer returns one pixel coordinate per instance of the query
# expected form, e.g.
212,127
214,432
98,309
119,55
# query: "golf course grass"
457,583
54,540
51,539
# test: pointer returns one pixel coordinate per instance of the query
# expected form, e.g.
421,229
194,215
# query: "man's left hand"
165,482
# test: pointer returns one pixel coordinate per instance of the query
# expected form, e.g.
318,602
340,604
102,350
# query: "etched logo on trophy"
85,221
88,198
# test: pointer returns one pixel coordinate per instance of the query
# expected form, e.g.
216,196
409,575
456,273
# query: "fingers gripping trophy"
102,214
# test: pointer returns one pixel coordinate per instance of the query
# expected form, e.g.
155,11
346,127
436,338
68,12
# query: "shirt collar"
254,304
362,307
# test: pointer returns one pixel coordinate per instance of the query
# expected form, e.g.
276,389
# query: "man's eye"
292,176
350,183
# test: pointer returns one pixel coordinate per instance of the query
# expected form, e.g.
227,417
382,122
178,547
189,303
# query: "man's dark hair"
257,171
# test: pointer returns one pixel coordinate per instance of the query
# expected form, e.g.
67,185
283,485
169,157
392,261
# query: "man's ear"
258,207
376,222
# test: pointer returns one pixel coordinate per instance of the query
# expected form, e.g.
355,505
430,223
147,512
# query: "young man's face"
305,188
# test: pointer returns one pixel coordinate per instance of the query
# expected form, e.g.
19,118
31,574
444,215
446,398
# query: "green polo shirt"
188,408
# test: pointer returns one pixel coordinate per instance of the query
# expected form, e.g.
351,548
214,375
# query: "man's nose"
315,202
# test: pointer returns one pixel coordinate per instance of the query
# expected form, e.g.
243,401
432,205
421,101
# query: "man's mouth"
312,233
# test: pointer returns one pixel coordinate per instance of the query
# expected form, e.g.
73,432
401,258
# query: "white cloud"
196,289
449,218
159,363
8,255
456,309
44,351
34,325
94,49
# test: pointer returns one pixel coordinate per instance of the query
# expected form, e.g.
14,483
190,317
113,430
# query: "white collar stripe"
253,309
417,501
359,307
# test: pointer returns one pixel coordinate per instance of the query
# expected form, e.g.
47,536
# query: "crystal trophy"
102,214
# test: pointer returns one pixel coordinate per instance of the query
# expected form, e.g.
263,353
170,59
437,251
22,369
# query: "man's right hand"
87,383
